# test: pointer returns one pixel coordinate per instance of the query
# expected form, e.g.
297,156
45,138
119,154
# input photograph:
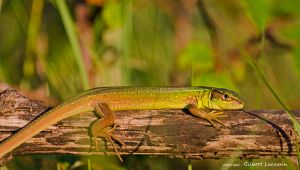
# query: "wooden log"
170,133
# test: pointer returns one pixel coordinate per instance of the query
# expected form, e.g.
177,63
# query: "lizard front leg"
209,116
105,126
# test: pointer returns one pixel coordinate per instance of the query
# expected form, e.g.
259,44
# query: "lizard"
204,102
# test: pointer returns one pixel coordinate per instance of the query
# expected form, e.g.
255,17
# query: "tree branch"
170,133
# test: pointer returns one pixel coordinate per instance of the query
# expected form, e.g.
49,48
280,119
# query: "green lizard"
204,102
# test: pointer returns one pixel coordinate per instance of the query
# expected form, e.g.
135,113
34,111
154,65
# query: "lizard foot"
105,126
108,134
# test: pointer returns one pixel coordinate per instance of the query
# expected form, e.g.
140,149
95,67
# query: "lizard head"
223,99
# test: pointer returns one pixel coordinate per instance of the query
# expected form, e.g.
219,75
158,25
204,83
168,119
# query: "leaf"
290,33
290,7
215,79
112,14
259,11
198,55
296,58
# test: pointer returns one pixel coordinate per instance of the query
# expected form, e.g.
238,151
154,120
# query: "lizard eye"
225,97
217,95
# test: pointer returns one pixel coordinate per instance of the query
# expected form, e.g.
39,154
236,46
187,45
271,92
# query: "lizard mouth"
239,103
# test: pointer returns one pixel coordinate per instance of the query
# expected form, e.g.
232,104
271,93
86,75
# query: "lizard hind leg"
105,126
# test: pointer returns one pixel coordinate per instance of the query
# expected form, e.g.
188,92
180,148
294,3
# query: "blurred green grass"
66,46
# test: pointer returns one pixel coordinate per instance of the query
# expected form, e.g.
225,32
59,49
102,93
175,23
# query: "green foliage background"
63,47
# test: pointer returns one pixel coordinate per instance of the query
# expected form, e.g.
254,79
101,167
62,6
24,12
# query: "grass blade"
73,38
